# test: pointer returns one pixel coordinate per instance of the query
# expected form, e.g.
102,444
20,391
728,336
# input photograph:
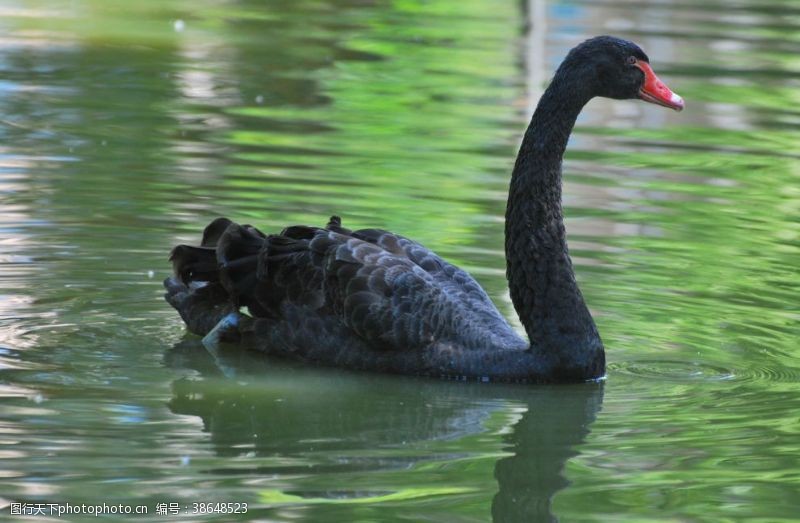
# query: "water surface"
125,127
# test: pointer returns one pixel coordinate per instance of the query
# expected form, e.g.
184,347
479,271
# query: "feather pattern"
386,291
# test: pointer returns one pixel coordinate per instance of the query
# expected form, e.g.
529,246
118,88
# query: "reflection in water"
341,427
121,136
557,421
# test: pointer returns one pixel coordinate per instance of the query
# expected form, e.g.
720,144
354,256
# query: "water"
126,126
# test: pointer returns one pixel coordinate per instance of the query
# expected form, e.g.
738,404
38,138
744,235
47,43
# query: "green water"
126,126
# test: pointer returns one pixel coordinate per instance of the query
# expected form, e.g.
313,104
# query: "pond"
126,126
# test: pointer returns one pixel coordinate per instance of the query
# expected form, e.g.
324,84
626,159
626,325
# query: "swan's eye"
631,60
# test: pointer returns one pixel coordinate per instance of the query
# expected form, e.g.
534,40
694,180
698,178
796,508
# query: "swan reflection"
331,439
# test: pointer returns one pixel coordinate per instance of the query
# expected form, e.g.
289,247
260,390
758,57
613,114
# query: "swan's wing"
452,279
389,298
385,299
429,297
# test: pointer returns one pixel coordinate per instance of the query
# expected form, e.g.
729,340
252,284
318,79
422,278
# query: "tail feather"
239,263
238,241
298,232
277,248
191,263
228,255
335,225
213,231
237,256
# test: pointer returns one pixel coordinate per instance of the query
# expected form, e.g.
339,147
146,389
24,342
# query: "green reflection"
125,131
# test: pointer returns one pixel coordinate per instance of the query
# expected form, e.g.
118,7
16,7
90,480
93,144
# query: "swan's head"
615,68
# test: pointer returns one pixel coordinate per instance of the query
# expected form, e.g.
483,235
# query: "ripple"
685,371
772,374
674,370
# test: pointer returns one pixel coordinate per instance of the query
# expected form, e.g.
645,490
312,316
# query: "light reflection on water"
123,136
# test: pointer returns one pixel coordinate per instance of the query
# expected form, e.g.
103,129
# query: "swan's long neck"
539,269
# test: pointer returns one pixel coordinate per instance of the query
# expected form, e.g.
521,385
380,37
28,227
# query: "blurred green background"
126,126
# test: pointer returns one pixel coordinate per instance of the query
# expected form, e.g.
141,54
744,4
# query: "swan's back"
383,290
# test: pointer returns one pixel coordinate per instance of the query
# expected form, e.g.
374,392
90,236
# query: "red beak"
655,91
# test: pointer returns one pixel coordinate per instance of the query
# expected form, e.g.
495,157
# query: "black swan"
374,300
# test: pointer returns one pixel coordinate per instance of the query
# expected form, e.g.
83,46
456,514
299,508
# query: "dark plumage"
371,299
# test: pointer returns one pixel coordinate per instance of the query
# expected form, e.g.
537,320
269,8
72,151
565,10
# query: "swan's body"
374,300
